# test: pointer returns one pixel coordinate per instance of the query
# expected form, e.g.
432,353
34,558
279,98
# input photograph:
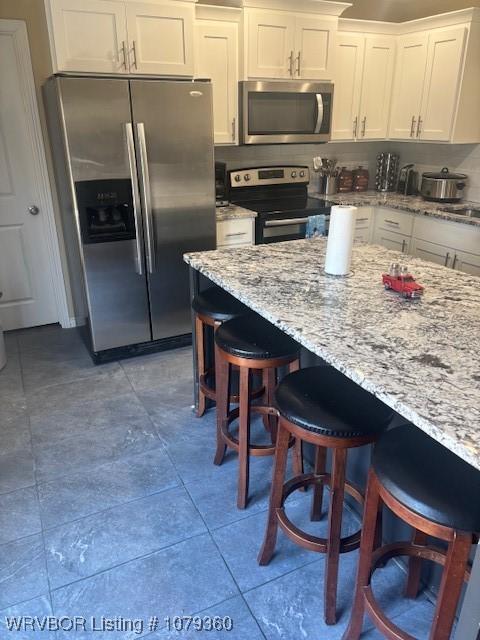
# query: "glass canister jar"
345,180
360,179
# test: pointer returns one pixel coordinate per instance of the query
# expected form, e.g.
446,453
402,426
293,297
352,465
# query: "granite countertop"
422,357
412,204
233,212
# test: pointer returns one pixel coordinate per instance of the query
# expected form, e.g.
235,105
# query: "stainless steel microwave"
276,112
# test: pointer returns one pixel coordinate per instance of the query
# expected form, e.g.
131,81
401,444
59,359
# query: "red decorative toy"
401,281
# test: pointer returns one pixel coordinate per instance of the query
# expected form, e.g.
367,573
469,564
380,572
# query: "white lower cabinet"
235,232
392,229
432,252
363,224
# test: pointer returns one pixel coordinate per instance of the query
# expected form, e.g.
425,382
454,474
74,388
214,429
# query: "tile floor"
110,506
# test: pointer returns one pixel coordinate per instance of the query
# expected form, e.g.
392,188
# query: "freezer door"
101,155
174,134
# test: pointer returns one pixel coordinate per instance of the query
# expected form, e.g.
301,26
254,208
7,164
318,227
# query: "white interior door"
349,53
408,87
217,59
376,87
90,35
26,270
161,38
442,78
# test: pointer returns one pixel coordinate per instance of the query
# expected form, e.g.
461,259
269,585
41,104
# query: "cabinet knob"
33,210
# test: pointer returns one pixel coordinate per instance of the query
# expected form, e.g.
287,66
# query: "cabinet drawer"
463,237
364,218
392,240
392,220
234,232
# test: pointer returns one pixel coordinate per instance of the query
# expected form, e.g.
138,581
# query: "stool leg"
270,382
415,566
451,586
276,492
222,375
372,501
244,438
337,492
320,465
200,345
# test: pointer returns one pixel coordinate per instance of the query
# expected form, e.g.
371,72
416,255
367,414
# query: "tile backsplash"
464,158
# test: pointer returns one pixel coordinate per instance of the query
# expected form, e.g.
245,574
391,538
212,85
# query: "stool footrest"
307,540
382,623
253,449
207,380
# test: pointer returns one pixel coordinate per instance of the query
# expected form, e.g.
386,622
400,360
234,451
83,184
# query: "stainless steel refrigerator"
135,174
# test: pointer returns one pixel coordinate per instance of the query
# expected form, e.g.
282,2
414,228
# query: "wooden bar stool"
321,406
437,494
249,343
211,307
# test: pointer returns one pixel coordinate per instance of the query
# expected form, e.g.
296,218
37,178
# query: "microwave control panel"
263,176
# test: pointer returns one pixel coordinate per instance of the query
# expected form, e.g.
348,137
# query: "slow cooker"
443,186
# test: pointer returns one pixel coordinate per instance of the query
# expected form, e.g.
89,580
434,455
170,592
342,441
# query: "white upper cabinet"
349,53
287,45
160,38
109,36
89,35
376,87
314,48
408,86
271,43
442,79
217,58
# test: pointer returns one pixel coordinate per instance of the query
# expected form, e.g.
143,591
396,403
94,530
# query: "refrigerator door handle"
145,185
136,196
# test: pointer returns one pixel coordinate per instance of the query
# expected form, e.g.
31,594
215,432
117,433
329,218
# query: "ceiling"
401,10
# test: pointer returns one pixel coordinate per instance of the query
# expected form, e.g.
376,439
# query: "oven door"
279,229
285,112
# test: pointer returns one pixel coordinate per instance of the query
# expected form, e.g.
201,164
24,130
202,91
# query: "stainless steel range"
279,195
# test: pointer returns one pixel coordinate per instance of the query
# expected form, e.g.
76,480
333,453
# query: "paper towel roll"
340,240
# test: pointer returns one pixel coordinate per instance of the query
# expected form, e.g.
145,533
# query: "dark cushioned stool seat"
428,478
253,337
217,304
323,400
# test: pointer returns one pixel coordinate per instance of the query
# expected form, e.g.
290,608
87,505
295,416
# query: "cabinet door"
231,233
271,43
391,240
408,86
442,82
216,58
468,262
376,87
313,48
349,52
160,38
89,35
432,252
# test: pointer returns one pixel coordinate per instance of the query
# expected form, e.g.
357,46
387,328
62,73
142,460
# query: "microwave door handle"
319,122
135,194
145,186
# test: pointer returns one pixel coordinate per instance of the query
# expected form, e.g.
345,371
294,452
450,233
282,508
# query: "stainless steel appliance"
135,170
279,196
386,173
282,112
221,189
443,186
407,183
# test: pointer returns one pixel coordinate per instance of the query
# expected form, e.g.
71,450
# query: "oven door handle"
319,123
285,222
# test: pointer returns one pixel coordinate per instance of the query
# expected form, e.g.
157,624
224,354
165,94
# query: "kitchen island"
422,358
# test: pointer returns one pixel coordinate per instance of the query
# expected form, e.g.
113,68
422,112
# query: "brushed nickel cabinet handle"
291,59
419,126
404,242
298,63
454,261
412,128
447,258
134,51
396,224
364,126
237,233
355,126
124,55
233,129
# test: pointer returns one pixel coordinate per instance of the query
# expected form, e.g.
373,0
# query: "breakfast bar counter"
420,357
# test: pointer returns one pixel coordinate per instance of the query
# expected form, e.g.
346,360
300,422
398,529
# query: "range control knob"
294,174
238,178
246,177
302,174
